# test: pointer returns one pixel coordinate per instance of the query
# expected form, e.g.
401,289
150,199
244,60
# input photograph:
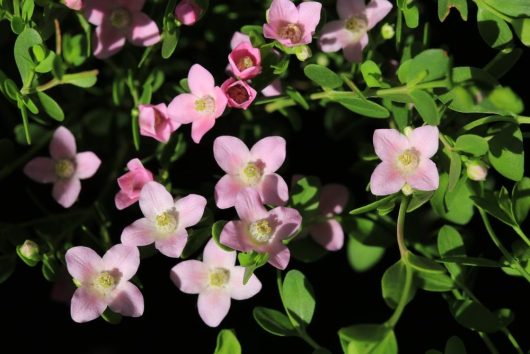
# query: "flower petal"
190,209
280,259
230,153
173,245
144,31
354,51
87,164
82,262
155,199
376,11
41,169
288,219
226,191
271,151
213,306
426,177
96,10
129,301
107,41
234,235
238,291
124,258
329,234
181,110
238,38
282,10
200,81
425,140
273,190
349,8
274,89
333,198
139,233
66,191
201,127
334,36
85,306
63,144
215,256
220,102
389,143
191,277
309,15
249,206
386,179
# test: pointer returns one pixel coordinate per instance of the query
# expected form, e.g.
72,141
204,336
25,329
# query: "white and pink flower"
104,282
155,123
245,61
217,280
238,93
65,168
131,184
188,12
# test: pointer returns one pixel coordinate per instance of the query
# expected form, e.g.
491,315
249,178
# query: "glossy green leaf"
46,65
495,32
506,152
305,193
360,106
373,205
471,261
217,228
474,315
17,25
83,79
434,282
426,106
423,264
273,321
371,74
450,243
434,61
51,107
393,284
25,41
521,27
513,8
195,241
298,297
322,76
490,204
368,339
455,170
521,199
445,6
418,199
363,257
472,144
227,343
169,42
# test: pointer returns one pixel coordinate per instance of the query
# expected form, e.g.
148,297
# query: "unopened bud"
407,189
29,252
477,170
303,52
387,31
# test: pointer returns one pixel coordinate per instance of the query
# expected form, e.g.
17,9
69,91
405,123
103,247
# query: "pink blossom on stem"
118,21
254,169
349,33
131,183
65,168
165,220
406,160
245,61
238,38
188,12
202,106
74,4
104,282
261,230
291,25
155,123
274,89
239,93
217,280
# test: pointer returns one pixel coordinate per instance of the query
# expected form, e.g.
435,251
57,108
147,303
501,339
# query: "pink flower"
239,93
118,21
131,184
274,89
349,33
188,12
216,279
291,25
238,38
155,123
245,61
74,4
261,230
202,106
254,169
406,160
104,282
165,220
65,168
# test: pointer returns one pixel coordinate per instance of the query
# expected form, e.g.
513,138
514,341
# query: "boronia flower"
217,280
165,220
254,169
239,93
202,106
245,61
188,12
155,123
349,33
476,170
131,184
118,21
406,160
104,282
261,230
74,4
65,168
291,25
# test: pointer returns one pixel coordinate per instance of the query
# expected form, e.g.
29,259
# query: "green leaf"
25,41
111,317
305,193
455,345
503,61
450,243
298,297
7,266
306,250
474,315
521,27
472,144
45,66
423,264
273,321
217,228
521,200
434,61
169,42
74,49
195,241
456,205
434,282
51,107
83,79
495,32
426,107
373,205
58,68
504,101
418,199
489,204
368,339
50,267
27,10
411,14
322,76
297,97
17,25
455,170
506,153
227,343
512,8
371,74
444,7
11,90
363,257
471,261
393,284
360,106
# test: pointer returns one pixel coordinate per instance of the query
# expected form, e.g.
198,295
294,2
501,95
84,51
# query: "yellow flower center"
64,168
291,31
166,222
408,161
104,283
219,277
205,104
245,63
251,174
120,18
357,24
260,231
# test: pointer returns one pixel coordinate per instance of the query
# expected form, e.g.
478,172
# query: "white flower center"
357,25
120,18
291,31
260,231
408,161
245,63
205,105
167,222
64,168
219,277
251,174
104,283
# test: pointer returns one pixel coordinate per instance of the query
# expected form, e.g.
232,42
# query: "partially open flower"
155,123
188,12
239,93
131,184
74,4
245,61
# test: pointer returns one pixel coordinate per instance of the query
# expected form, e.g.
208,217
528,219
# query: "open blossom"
131,184
202,106
217,280
238,93
155,123
254,169
104,282
74,4
349,33
65,168
118,21
165,220
188,12
406,160
245,61
291,25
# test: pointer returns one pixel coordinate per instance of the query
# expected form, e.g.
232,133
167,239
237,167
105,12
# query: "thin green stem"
55,82
512,340
486,339
521,234
400,229
352,86
393,320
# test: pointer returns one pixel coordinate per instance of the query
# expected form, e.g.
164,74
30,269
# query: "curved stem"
521,234
400,230
512,340
393,320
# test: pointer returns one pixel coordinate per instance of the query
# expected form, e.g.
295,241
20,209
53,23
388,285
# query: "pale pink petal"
96,10
280,259
63,144
309,15
220,102
282,10
334,36
273,190
354,51
215,256
386,179
226,191
181,110
238,291
426,177
234,235
74,4
376,11
144,31
190,209
274,89
173,245
249,206
200,81
329,234
389,143
425,140
107,41
230,153
155,199
201,127
270,151
139,233
82,262
238,38
213,306
333,198
41,169
349,8
191,277
269,30
66,191
124,258
85,306
87,164
289,221
129,301
122,200
135,164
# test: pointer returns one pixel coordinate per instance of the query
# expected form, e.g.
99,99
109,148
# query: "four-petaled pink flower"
118,21
245,61
74,4
165,220
155,123
216,279
188,12
406,160
261,230
65,168
202,106
254,169
349,33
104,282
131,184
238,93
291,25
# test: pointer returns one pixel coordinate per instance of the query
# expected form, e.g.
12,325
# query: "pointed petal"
201,127
271,151
230,153
107,41
426,177
85,306
238,38
389,143
66,191
329,234
425,140
309,15
282,10
386,180
200,81
139,233
124,258
238,291
155,199
182,109
87,164
213,306
41,169
215,256
82,262
226,191
173,245
349,8
190,209
220,101
63,144
273,190
280,259
96,10
334,36
144,31
249,206
191,277
354,51
376,11
333,198
129,301
234,235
